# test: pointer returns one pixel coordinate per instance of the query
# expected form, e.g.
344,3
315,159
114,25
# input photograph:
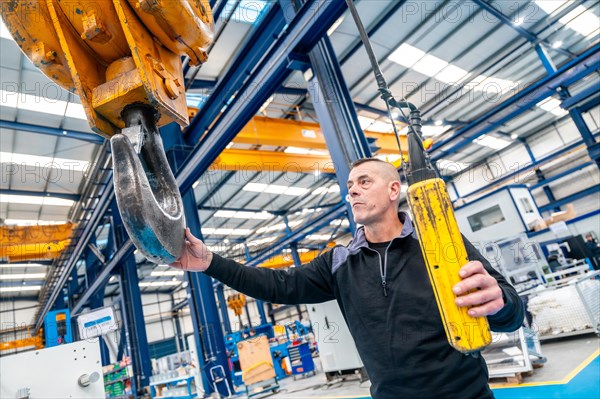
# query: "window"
486,218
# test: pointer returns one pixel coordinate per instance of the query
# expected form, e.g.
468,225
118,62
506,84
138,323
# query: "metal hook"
146,190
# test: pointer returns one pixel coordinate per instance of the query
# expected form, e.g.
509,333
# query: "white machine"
337,350
63,371
504,213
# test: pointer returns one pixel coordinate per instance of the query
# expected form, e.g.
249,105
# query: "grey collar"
360,239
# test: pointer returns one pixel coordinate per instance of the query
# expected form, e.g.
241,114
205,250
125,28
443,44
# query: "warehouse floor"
571,372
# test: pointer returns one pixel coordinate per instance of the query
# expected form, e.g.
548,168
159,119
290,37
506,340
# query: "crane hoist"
123,59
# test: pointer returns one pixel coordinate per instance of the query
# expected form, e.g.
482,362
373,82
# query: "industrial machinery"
439,235
79,374
123,59
58,328
337,350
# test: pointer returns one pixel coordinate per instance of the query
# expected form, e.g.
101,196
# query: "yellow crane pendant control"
444,252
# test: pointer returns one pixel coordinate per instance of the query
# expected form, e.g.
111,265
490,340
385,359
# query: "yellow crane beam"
272,161
37,251
35,341
287,133
286,260
18,235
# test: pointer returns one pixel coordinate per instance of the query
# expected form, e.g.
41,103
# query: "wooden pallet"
513,379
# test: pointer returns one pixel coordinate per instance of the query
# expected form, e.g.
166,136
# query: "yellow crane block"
37,251
236,302
19,235
286,260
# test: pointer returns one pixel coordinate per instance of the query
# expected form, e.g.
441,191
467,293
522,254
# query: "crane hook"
146,190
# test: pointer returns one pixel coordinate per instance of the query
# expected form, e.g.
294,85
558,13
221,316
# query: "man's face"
370,192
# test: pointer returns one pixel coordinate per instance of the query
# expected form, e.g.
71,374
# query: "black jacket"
400,337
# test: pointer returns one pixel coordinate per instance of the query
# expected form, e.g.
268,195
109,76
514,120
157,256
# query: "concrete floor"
564,356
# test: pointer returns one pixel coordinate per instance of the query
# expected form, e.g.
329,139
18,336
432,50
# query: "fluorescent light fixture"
429,65
278,226
225,231
31,200
406,55
514,136
275,189
196,183
261,241
319,237
430,131
20,265
242,215
519,21
557,44
323,190
21,288
491,142
32,222
255,187
301,250
489,83
549,6
581,21
44,162
159,283
4,33
159,273
552,105
335,25
340,222
22,276
451,74
438,122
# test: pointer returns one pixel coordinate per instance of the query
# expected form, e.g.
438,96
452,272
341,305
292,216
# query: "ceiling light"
32,200
255,187
491,142
549,6
438,122
44,162
32,222
451,74
196,183
275,189
296,150
335,25
514,136
552,105
21,265
430,131
519,21
557,44
159,273
406,55
296,191
429,65
21,288
319,237
159,283
22,276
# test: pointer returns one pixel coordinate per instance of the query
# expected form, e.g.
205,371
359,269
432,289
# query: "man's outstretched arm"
309,283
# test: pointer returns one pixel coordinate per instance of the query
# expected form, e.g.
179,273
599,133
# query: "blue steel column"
592,145
208,333
223,308
336,114
132,301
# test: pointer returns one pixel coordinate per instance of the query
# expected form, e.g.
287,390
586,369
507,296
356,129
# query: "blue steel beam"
248,57
303,32
72,197
345,139
570,198
223,307
314,225
567,172
73,134
574,70
525,169
581,96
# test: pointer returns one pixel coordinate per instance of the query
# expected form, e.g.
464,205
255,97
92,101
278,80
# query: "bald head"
385,170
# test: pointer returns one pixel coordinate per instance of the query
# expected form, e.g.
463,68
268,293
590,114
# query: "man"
381,284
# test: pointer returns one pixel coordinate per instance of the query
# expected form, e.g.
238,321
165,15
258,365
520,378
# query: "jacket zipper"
382,271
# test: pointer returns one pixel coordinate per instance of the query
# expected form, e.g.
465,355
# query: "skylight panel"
549,6
33,200
451,74
406,55
22,276
552,105
491,142
248,11
429,65
44,162
21,288
581,21
4,32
